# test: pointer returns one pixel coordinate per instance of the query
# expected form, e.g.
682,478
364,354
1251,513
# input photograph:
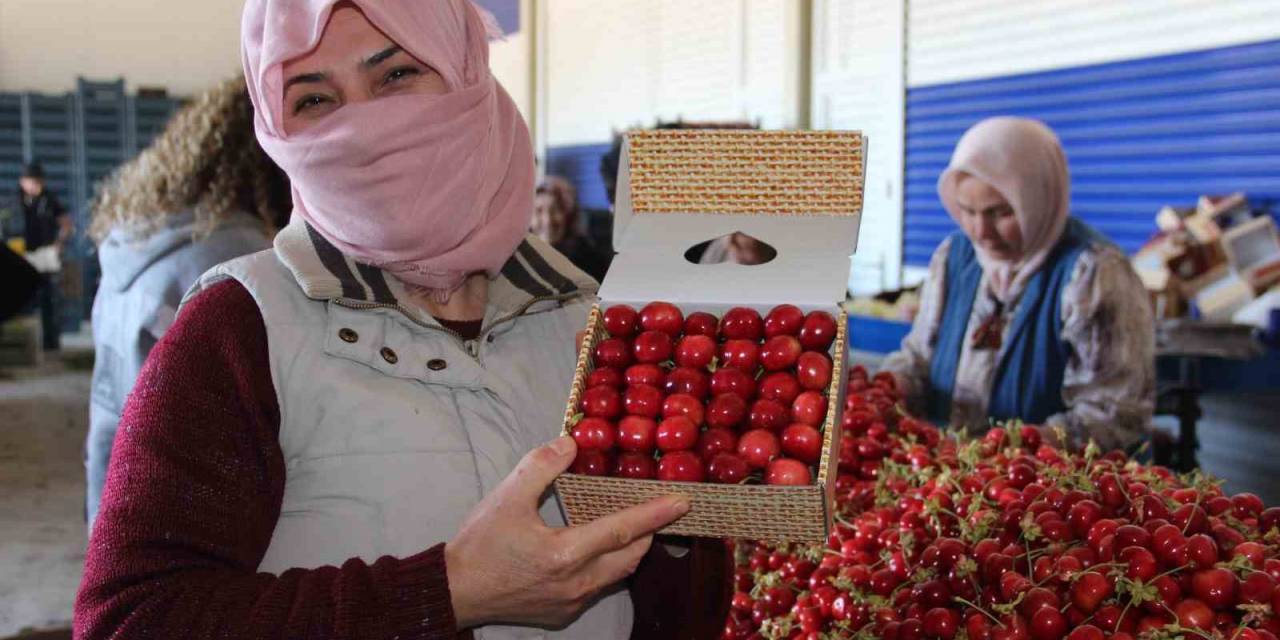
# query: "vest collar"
535,277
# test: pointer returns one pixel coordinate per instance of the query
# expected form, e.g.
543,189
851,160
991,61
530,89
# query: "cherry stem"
980,610
1120,618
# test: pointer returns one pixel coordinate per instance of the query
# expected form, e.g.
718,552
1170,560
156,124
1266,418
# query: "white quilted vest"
392,431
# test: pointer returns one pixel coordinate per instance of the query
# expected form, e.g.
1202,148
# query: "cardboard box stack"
1216,257
798,191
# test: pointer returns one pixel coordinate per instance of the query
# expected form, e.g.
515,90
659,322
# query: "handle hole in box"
736,247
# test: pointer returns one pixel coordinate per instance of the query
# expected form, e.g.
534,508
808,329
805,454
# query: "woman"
328,441
203,193
557,220
1027,312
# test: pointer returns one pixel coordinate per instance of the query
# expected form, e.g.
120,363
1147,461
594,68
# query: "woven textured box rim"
740,186
803,513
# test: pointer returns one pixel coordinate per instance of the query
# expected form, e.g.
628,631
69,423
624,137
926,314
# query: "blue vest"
1030,368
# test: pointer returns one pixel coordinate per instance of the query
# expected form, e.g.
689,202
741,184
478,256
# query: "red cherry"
662,316
741,323
642,400
605,377
594,433
1257,588
637,434
780,352
676,433
733,381
940,622
758,447
701,323
813,371
1202,551
621,321
785,471
780,386
695,351
809,408
1141,563
635,465
818,331
683,404
652,347
1086,632
768,414
802,442
728,468
1047,624
592,462
743,355
689,381
680,466
1089,590
1215,587
784,319
601,402
614,353
726,411
714,441
648,374
1194,614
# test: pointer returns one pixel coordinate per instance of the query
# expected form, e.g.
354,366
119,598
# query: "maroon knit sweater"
192,497
194,492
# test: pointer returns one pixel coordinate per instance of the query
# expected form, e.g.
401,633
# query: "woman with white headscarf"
1027,312
353,434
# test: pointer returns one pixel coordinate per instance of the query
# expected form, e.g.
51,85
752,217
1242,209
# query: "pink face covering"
1023,160
430,188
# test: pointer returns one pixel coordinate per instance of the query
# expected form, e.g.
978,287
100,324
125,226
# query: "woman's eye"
308,102
401,73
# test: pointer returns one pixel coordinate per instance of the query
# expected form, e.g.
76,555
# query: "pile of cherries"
1005,537
735,399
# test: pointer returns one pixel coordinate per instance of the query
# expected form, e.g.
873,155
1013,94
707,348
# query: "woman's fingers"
618,530
616,565
537,469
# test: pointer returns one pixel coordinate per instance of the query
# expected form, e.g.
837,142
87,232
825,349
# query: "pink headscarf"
1023,160
430,188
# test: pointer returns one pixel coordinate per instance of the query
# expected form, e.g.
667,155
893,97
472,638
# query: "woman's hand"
506,565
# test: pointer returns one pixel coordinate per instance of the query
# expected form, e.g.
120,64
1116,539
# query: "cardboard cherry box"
800,192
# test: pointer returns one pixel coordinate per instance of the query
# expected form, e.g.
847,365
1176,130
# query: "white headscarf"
1023,160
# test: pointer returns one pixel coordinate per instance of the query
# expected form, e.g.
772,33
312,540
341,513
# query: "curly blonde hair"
207,161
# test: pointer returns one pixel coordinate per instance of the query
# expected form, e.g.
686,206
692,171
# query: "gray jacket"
143,281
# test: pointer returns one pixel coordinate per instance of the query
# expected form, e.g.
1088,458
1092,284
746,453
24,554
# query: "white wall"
858,84
178,44
622,63
182,45
953,40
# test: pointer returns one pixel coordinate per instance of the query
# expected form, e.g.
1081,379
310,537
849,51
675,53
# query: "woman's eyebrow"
381,56
305,78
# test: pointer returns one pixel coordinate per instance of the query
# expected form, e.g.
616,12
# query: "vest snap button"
436,364
389,355
348,335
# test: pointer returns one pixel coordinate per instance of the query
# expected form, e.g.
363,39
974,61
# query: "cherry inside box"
797,192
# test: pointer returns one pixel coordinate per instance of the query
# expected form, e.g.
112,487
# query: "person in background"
46,227
738,248
203,193
353,435
557,219
1027,312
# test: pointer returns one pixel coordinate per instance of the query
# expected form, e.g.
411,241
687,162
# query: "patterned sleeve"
1109,385
910,363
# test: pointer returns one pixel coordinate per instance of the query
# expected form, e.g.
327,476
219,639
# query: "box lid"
798,191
